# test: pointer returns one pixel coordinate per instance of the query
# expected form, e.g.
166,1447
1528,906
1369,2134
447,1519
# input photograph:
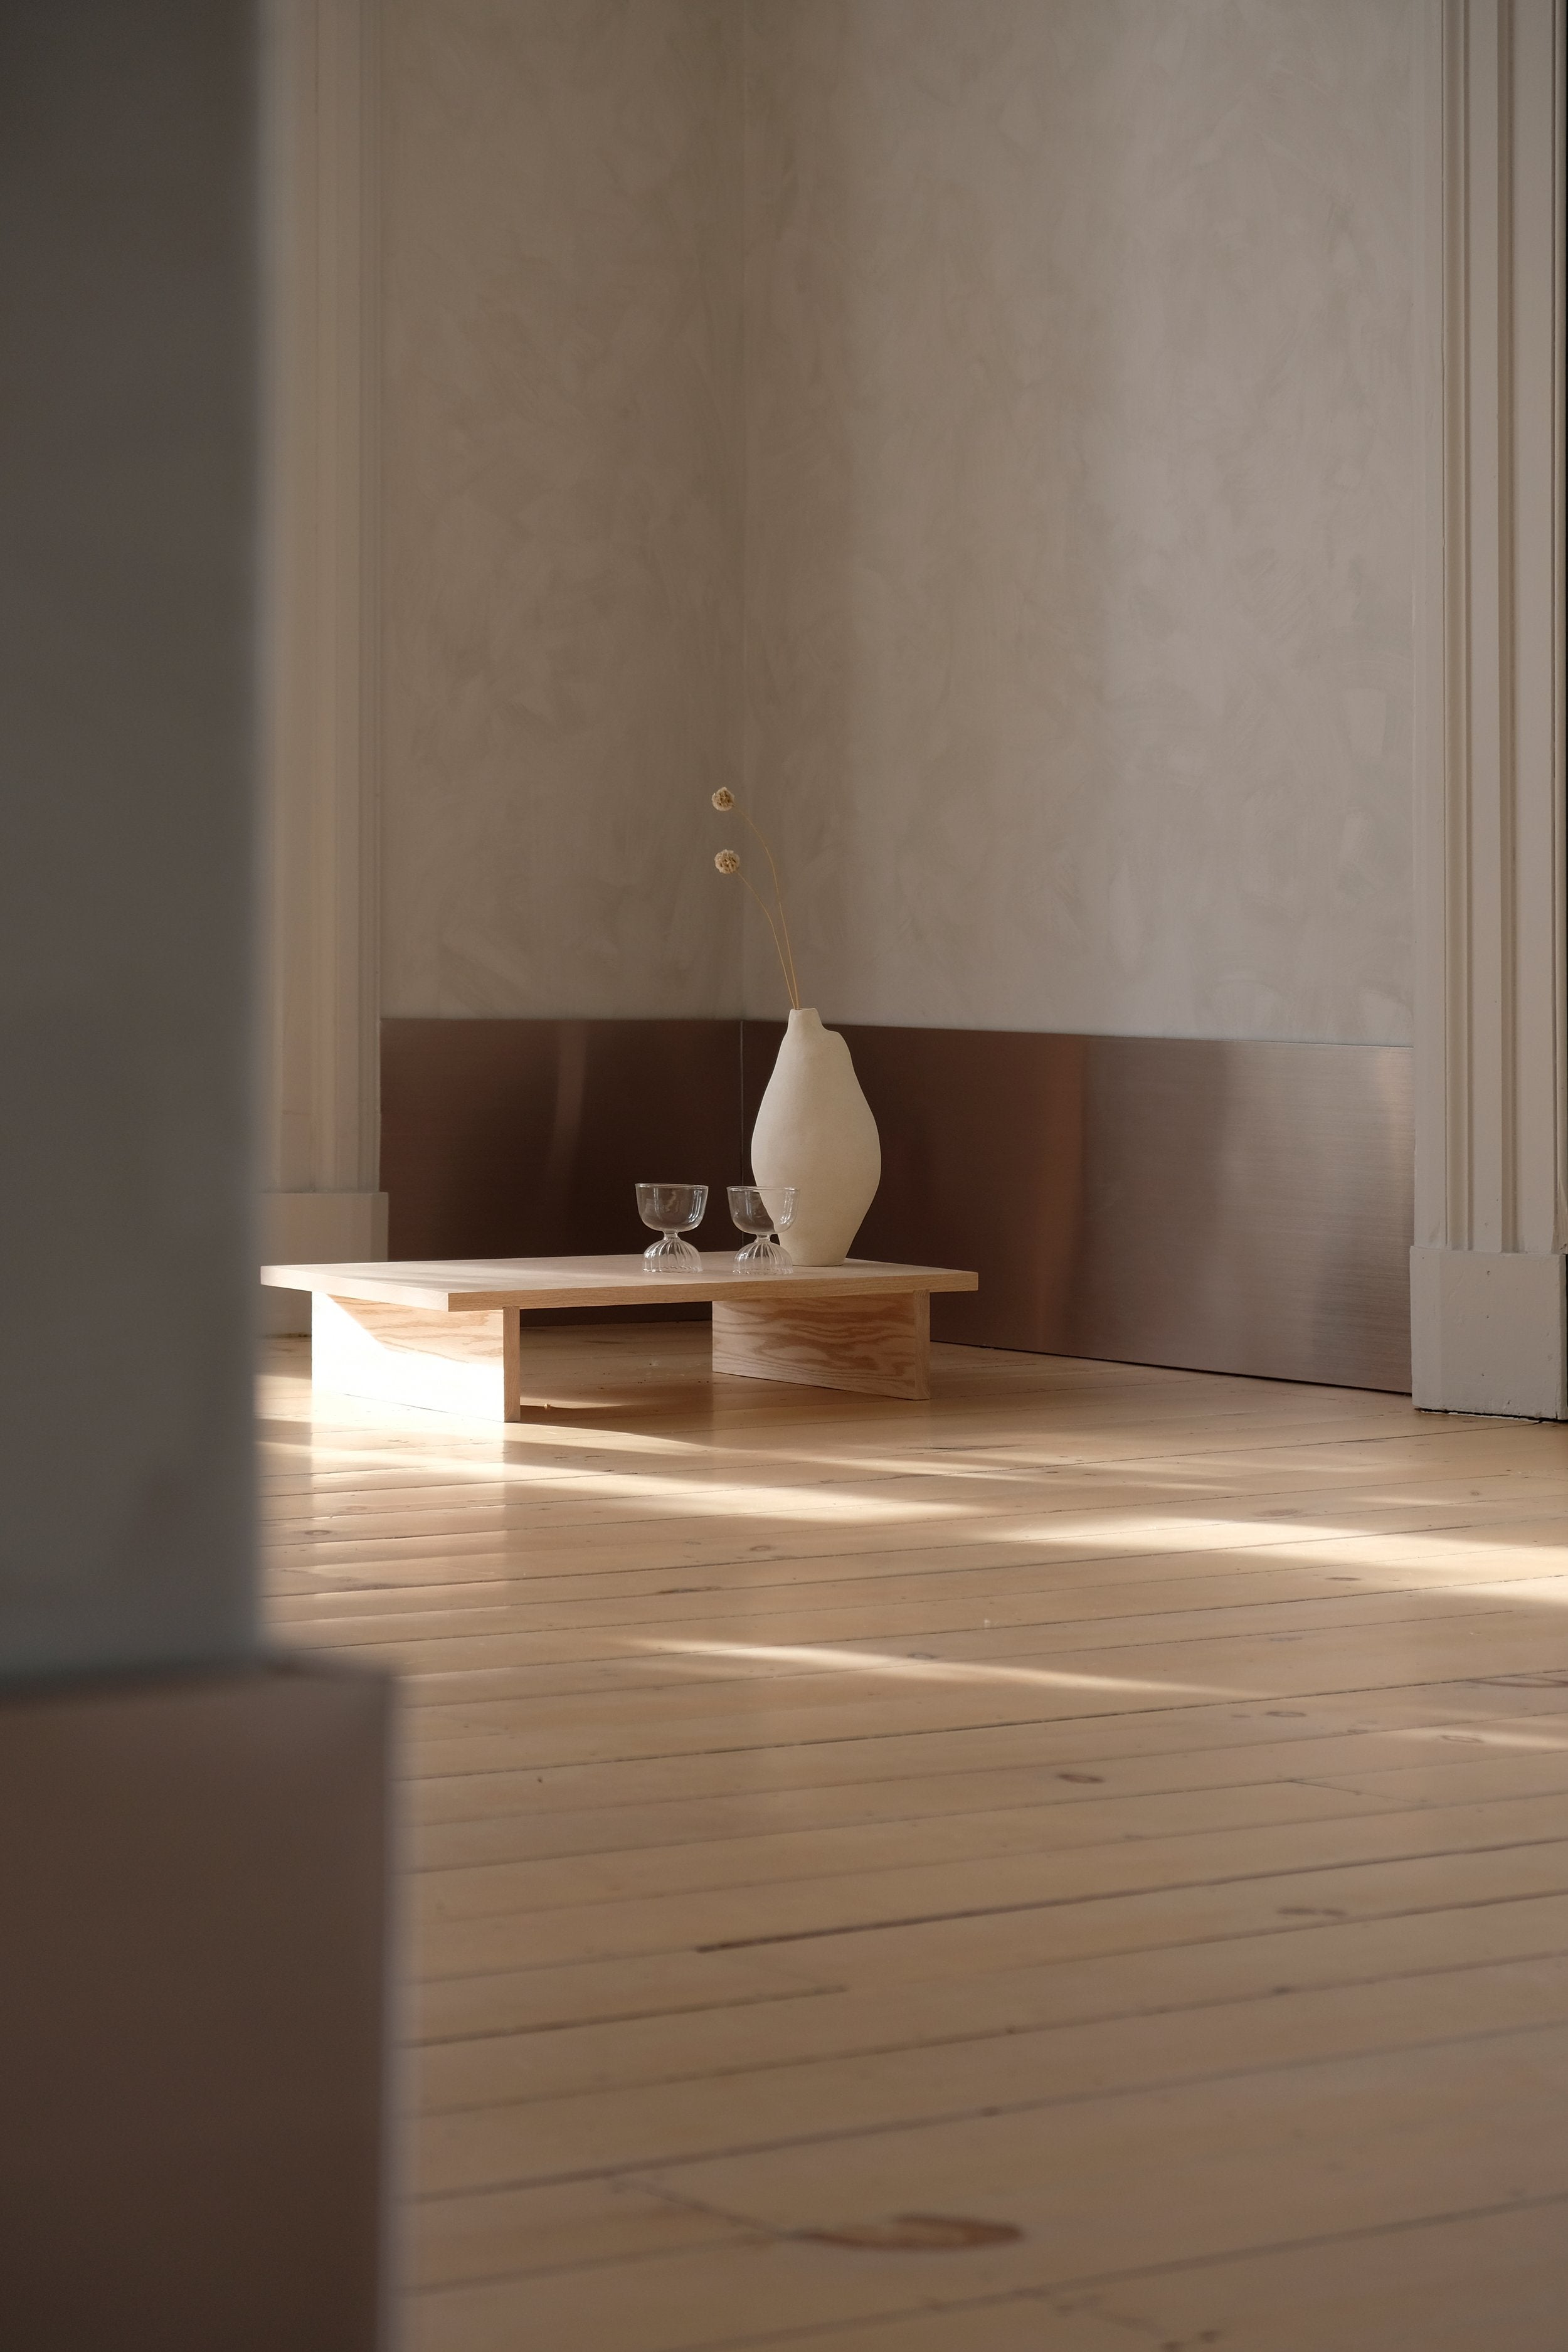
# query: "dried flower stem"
728,862
786,956
786,968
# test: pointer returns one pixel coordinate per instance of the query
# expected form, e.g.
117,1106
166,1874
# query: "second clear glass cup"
672,1210
751,1214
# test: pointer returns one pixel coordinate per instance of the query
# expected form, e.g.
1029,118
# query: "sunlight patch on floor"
1466,1735
926,1670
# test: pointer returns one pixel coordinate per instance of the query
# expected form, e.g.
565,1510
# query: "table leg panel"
460,1363
875,1346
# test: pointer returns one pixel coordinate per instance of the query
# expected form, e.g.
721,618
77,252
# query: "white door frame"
1489,1328
321,1101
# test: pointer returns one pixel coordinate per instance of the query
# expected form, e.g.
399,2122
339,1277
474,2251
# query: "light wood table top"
467,1285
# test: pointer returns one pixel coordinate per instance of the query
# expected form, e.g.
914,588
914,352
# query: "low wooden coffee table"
447,1334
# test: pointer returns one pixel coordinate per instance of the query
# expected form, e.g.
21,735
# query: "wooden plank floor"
1118,1817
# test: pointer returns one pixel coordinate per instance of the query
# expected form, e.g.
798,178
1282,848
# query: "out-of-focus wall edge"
193,2010
192,1837
320,637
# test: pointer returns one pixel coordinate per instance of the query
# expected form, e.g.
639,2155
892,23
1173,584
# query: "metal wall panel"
512,1138
1246,1208
1233,1207
1227,1207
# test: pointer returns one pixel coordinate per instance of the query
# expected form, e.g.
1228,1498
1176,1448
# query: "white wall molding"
320,1111
1491,1078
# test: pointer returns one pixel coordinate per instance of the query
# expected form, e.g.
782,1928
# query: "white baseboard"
1488,1332
313,1229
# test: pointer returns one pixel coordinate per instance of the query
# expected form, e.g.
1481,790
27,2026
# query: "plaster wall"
1080,511
1056,446
560,574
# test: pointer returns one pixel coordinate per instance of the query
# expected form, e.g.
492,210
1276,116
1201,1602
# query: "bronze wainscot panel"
1234,1207
1239,1207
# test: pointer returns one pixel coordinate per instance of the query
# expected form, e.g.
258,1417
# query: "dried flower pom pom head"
728,862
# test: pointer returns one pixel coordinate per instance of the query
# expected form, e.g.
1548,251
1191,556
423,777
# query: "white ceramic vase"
815,1131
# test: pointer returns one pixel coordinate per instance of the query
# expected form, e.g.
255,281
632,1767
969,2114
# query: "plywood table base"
881,1347
447,1335
463,1363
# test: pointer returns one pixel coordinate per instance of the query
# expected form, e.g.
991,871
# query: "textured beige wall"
1079,385
1078,507
560,523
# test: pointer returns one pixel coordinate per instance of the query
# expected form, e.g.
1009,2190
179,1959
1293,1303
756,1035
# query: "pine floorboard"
1124,1809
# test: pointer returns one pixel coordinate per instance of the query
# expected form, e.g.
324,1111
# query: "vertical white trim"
1539,621
1487,1292
321,1113
1435,1174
